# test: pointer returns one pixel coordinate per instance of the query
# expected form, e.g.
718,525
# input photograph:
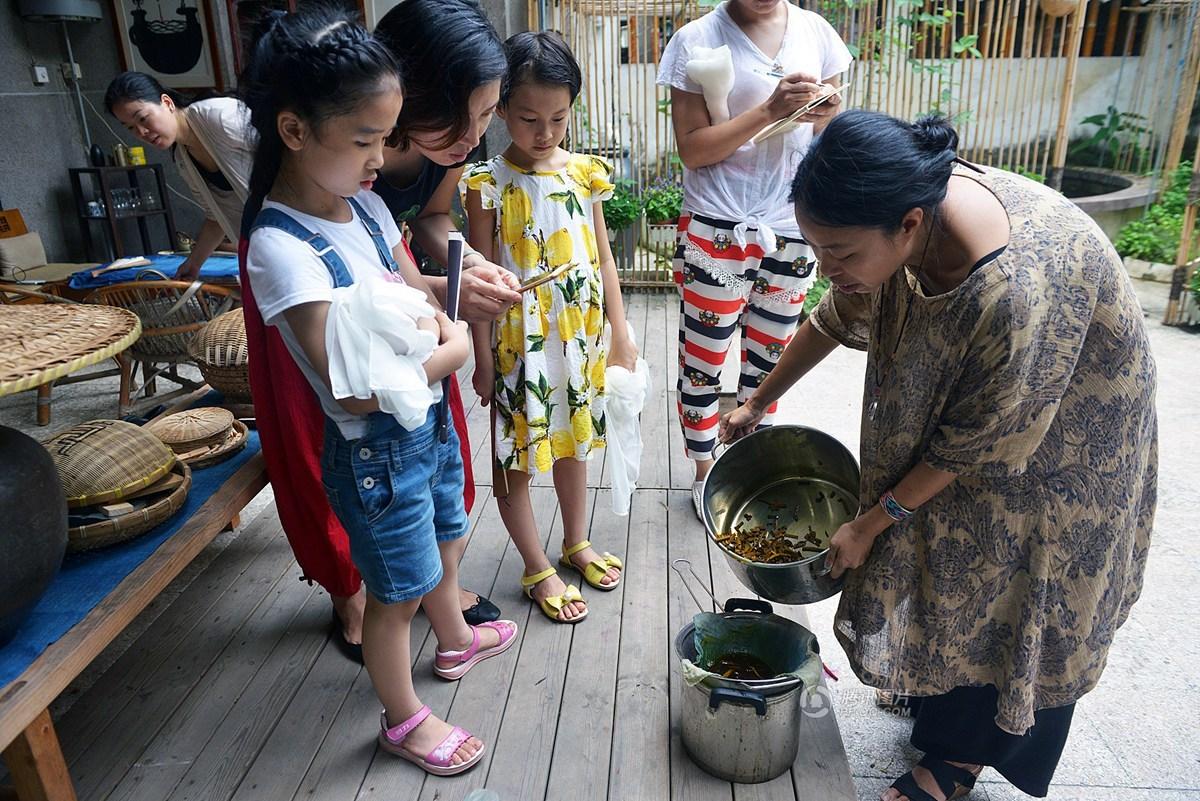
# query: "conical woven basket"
105,460
221,354
235,440
193,428
133,524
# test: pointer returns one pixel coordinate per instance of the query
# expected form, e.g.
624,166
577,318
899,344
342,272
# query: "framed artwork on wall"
171,40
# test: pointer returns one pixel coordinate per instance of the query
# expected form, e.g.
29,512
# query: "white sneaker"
698,499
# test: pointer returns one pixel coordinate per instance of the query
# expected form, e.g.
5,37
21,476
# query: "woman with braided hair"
290,422
324,95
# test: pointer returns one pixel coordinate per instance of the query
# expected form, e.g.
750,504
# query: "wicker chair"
172,313
18,295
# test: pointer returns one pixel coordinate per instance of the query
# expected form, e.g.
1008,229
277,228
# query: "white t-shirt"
753,184
285,271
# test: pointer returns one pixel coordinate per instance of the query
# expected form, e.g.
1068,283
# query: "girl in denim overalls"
323,95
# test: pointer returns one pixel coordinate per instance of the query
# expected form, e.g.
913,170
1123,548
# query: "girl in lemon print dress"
536,209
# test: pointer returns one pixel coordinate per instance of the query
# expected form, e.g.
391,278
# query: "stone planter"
1149,270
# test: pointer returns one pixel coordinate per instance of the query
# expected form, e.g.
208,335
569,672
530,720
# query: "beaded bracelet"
893,508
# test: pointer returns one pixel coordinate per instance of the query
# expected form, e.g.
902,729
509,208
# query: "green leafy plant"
624,208
663,201
1116,132
1155,237
815,293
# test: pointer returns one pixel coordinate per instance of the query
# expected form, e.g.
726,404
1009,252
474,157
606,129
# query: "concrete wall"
40,132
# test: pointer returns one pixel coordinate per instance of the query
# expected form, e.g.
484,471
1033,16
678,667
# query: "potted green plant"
663,203
623,216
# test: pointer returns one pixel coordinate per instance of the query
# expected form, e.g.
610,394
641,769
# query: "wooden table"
42,343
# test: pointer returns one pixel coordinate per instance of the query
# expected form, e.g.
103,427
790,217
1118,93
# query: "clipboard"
546,277
776,126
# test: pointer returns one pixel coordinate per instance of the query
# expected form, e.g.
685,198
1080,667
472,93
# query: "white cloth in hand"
375,348
712,68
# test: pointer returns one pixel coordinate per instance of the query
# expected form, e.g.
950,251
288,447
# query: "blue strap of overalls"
277,218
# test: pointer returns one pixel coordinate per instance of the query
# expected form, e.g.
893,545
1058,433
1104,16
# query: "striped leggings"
724,287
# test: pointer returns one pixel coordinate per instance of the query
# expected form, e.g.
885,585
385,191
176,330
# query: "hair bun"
934,134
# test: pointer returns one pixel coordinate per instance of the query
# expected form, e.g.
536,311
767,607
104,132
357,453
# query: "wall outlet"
71,71
41,75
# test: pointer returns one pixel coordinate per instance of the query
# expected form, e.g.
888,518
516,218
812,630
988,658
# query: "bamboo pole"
1042,144
1064,112
1182,256
1011,79
969,88
1020,151
1089,31
1183,107
1114,22
999,62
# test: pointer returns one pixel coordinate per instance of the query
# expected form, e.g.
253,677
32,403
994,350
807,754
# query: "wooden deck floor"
236,692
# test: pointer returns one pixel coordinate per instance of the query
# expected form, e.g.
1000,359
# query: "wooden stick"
1064,112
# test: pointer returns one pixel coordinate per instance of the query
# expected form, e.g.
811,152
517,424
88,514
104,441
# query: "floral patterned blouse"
549,354
1033,382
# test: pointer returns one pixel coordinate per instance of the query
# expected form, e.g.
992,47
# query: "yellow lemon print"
581,424
543,455
589,242
515,213
563,445
594,321
598,373
570,320
525,254
520,430
560,248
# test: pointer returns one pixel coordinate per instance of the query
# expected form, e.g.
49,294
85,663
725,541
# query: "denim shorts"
398,494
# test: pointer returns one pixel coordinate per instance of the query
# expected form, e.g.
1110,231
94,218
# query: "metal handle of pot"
675,565
749,605
719,694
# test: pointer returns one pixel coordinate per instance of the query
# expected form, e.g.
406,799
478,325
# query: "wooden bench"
30,745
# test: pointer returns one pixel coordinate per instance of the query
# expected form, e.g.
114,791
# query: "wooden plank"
579,766
656,418
336,771
195,615
30,693
113,740
480,704
686,540
641,742
228,750
279,768
520,764
163,751
35,760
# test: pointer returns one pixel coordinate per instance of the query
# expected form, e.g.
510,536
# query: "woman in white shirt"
212,145
741,260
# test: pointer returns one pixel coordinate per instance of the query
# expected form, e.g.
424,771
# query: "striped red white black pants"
725,288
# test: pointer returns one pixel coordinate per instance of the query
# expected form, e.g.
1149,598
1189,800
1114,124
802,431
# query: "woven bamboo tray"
221,353
136,523
235,440
191,429
48,341
106,460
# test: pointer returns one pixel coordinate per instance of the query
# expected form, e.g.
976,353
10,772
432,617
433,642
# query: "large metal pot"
741,731
817,477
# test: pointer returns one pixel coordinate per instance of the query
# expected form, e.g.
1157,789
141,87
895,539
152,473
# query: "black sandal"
350,650
482,611
950,779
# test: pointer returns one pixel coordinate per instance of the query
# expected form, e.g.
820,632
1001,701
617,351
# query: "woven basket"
188,430
172,313
105,460
136,523
235,440
221,354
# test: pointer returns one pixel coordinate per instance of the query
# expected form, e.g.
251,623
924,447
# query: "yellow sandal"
594,570
553,605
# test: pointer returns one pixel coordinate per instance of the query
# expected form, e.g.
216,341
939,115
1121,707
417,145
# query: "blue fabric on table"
86,578
217,267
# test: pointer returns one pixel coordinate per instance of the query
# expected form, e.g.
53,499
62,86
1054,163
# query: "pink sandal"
465,660
437,761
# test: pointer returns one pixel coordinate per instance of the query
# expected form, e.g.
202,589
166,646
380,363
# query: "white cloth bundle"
624,396
375,348
712,68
